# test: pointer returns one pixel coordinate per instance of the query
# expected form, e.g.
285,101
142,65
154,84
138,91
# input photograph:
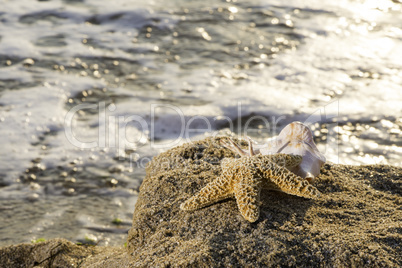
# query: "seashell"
297,139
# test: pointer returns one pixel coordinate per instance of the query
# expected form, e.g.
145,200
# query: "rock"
62,253
356,221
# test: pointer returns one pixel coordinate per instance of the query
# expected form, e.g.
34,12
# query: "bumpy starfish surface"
244,178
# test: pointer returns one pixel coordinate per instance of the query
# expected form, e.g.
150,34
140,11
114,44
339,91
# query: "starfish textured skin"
243,178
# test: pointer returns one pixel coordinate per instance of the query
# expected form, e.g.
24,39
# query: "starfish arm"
247,186
214,191
288,182
247,193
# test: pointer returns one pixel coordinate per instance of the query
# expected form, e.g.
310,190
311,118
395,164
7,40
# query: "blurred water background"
91,90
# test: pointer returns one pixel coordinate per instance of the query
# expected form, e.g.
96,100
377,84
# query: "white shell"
296,138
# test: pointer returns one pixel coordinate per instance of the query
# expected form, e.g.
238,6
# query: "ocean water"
91,90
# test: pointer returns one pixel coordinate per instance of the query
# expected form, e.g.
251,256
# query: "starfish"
243,178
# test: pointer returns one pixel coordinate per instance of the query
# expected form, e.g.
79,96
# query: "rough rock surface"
355,223
61,253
